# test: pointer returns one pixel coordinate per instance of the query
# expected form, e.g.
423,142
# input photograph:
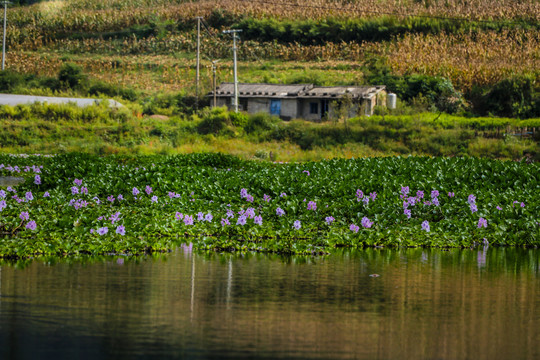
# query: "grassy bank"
74,204
53,129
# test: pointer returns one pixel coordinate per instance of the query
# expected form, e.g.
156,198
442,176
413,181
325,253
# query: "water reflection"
425,303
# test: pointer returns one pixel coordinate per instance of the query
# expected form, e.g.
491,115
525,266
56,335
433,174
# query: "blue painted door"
275,107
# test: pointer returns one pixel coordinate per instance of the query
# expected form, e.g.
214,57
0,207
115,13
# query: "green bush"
72,76
517,97
101,88
438,91
10,80
215,122
382,28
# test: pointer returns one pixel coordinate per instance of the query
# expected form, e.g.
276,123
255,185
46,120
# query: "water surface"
371,304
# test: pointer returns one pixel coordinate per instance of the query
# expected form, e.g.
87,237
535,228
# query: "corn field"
40,37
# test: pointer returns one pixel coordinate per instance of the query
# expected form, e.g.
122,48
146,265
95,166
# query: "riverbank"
52,128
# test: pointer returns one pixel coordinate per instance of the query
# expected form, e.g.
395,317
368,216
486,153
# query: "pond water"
424,304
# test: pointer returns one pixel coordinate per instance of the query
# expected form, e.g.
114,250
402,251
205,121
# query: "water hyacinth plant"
355,203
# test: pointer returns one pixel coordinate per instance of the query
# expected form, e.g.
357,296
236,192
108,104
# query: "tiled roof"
299,91
262,90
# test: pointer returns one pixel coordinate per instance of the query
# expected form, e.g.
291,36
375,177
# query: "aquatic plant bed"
77,203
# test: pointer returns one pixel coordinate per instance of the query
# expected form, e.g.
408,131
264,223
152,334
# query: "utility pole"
235,37
4,40
198,57
214,62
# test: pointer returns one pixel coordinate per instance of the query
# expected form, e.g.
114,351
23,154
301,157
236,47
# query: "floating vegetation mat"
83,204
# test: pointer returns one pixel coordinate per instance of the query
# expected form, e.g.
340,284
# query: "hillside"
481,47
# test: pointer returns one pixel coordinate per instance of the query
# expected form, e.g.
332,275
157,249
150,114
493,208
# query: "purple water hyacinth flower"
2,194
249,198
135,191
230,213
3,205
243,193
329,220
103,230
171,194
451,194
406,204
499,208
312,205
297,225
200,216
96,200
250,213
179,215
77,182
282,195
121,230
84,190
120,197
241,220
522,205
110,198
482,223
257,220
434,193
188,220
74,190
24,215
208,217
114,217
306,172
425,226
37,180
473,208
366,222
148,189
9,188
46,194
373,195
225,222
92,231
365,200
354,228
267,198
420,194
407,213
412,200
359,194
471,199
280,212
29,196
404,190
435,201
154,199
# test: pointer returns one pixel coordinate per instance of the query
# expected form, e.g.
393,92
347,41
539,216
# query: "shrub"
213,123
72,76
517,97
10,80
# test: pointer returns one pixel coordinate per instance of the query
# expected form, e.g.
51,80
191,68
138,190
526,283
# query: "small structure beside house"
304,101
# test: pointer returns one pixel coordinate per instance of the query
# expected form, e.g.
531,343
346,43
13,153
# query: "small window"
313,108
